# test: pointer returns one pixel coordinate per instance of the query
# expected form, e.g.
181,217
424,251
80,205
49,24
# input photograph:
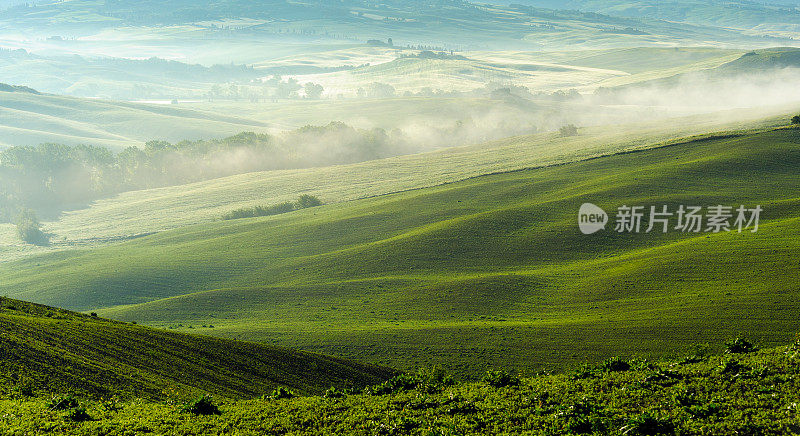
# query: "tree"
29,229
313,90
308,201
796,119
568,130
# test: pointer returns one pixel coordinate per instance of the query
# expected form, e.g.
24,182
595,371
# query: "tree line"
50,178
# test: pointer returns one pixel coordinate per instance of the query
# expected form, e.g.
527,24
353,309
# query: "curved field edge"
61,351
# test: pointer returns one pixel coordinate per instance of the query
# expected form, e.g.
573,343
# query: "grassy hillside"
736,393
49,350
29,119
136,213
492,267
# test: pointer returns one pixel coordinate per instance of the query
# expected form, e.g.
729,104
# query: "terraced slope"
52,350
489,271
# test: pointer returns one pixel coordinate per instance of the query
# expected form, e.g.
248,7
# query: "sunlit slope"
140,212
57,351
487,271
30,119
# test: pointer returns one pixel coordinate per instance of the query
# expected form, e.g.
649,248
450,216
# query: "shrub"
568,130
282,393
402,382
615,364
78,415
646,424
334,393
29,229
433,379
500,379
796,119
62,402
308,201
739,346
202,406
731,367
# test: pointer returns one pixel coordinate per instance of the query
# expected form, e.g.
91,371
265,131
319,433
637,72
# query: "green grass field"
699,394
490,271
49,350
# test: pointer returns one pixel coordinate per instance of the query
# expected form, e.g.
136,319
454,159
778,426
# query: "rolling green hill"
485,272
50,350
30,119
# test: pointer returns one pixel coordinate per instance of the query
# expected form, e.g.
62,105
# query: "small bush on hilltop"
796,119
305,201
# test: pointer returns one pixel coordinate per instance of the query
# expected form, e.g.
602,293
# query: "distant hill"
27,118
761,60
58,351
725,13
17,88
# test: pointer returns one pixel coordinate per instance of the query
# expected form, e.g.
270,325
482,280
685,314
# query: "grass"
490,271
755,393
47,351
136,213
30,119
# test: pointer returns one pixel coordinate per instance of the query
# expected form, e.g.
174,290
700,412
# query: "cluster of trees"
273,88
51,178
305,201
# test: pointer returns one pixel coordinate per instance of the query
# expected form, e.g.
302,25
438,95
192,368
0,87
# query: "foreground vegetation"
740,392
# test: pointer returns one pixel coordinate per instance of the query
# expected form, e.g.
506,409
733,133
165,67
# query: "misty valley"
399,218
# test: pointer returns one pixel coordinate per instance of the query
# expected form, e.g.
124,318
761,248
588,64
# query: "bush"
796,119
78,415
303,202
308,201
334,393
62,402
282,393
402,382
568,130
615,364
202,406
739,346
29,229
500,379
646,424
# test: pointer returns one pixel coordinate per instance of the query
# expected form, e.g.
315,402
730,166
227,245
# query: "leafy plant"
500,379
281,393
614,364
202,406
647,424
62,402
740,346
78,414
